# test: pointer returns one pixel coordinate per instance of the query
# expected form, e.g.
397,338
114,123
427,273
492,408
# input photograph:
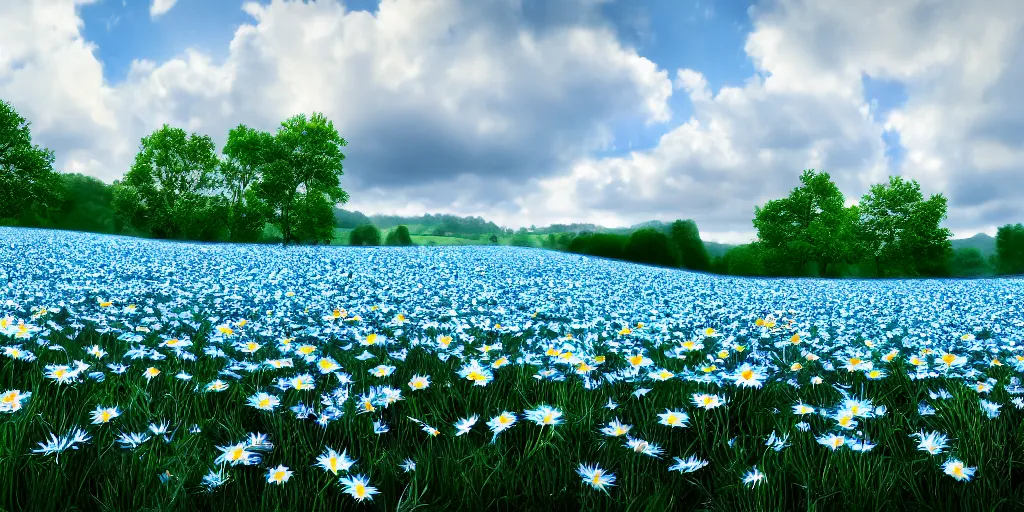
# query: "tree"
399,236
651,246
86,206
349,219
744,260
129,214
1009,258
493,239
969,262
686,238
901,231
563,241
366,234
169,190
247,153
604,245
30,190
811,225
521,239
305,159
314,219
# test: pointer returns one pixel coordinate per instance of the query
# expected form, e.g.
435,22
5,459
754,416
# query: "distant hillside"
982,242
716,249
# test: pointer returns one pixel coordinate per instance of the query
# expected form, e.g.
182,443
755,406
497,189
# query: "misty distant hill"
476,225
982,242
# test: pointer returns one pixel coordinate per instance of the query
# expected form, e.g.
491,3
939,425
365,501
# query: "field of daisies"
146,375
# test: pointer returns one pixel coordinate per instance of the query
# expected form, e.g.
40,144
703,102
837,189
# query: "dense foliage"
399,236
1010,249
180,188
30,190
365,235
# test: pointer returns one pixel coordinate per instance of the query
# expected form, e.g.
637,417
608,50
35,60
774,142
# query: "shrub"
399,236
364,235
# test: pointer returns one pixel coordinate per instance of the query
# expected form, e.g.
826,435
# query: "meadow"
149,375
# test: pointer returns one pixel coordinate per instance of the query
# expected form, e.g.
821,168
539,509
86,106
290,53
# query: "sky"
525,112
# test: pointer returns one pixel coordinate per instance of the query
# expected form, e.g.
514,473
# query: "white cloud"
962,65
160,7
472,108
426,92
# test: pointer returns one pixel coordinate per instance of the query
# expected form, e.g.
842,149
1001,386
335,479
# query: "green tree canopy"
1010,249
651,246
901,230
604,245
314,219
30,190
969,262
365,234
305,159
686,238
744,260
87,205
811,225
399,236
246,156
170,190
521,239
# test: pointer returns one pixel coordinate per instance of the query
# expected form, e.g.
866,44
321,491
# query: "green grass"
528,468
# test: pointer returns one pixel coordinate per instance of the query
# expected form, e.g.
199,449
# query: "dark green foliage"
248,218
493,239
651,246
169,190
686,239
604,245
399,236
86,205
440,224
366,234
743,260
305,159
346,219
245,159
1010,249
30,190
811,225
900,230
969,262
314,219
521,239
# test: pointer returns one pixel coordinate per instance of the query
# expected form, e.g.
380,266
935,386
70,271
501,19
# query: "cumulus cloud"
427,92
160,7
961,63
498,108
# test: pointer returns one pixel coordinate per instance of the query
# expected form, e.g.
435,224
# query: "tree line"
180,187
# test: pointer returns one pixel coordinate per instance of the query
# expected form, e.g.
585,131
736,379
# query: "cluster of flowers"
582,321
